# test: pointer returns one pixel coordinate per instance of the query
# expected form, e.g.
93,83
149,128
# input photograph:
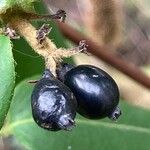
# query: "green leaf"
3,6
26,59
24,5
7,76
131,132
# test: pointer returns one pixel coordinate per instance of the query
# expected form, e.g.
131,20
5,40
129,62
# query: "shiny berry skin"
96,92
53,104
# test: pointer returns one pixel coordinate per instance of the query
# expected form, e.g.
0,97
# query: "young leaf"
7,76
24,5
132,128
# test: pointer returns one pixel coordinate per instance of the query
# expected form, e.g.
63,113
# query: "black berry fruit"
62,69
96,92
53,104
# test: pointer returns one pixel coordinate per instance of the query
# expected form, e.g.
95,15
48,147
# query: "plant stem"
29,32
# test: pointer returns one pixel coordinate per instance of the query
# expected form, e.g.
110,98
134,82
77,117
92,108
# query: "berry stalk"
29,32
45,48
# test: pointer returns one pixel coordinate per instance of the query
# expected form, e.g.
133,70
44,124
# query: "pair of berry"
86,89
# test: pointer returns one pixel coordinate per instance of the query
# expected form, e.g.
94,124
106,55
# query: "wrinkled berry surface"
96,92
53,104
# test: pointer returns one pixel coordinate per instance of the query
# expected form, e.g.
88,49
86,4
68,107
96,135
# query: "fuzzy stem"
47,48
29,32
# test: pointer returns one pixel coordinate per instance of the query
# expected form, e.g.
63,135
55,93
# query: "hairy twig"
42,45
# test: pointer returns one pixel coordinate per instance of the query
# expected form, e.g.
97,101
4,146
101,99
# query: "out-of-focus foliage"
143,6
25,5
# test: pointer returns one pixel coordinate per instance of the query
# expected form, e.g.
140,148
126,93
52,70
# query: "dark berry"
53,104
62,69
96,92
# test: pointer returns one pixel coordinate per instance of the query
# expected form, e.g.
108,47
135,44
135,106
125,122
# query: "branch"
106,55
